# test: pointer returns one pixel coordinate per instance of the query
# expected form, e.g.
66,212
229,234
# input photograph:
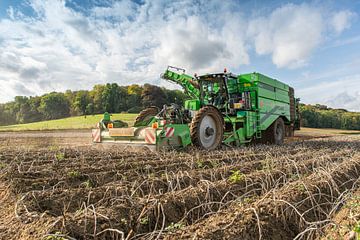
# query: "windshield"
213,91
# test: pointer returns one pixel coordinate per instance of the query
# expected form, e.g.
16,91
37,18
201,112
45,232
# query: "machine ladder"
258,124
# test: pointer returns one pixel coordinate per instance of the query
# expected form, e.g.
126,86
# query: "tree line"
110,98
132,99
321,116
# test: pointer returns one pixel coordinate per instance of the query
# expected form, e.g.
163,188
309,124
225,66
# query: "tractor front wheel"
207,128
145,116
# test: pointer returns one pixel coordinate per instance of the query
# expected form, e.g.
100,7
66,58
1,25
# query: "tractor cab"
213,90
220,90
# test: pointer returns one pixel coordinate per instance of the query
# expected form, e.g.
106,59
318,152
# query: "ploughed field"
60,186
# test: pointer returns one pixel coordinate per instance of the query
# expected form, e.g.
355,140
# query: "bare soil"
58,185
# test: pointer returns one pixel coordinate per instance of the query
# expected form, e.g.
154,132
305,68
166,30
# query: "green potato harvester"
222,109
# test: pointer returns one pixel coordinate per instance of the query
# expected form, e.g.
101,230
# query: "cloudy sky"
59,45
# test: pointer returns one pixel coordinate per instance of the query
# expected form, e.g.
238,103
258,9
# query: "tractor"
222,109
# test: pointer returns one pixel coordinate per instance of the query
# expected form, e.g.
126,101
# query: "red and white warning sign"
169,132
150,136
96,135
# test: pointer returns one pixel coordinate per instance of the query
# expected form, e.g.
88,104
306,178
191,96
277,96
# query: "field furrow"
256,191
298,210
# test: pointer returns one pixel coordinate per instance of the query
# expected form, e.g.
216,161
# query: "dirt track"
58,183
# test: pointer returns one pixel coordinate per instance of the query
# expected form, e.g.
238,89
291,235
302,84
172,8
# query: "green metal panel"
106,117
181,137
282,95
232,86
270,98
245,78
250,124
270,81
183,131
184,80
193,104
236,136
266,93
270,110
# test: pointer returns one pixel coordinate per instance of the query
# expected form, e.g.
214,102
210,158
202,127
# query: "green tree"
21,108
134,89
321,116
153,96
114,98
90,108
81,101
54,105
133,102
97,97
111,98
174,96
70,96
6,114
27,109
34,114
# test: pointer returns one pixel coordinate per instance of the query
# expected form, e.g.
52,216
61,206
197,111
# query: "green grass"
81,122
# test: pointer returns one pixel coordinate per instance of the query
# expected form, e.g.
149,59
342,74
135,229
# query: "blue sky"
59,45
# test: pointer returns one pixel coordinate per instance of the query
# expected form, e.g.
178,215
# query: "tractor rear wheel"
145,116
207,128
275,134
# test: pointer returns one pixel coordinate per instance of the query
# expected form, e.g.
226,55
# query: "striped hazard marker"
150,136
96,135
169,132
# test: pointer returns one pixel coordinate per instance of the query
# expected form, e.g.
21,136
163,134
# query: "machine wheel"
145,116
276,132
207,128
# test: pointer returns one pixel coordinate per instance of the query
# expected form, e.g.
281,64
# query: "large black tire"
145,116
275,134
207,128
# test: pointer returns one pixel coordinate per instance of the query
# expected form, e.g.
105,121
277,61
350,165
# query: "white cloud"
59,48
342,20
343,92
290,34
345,100
120,10
191,44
